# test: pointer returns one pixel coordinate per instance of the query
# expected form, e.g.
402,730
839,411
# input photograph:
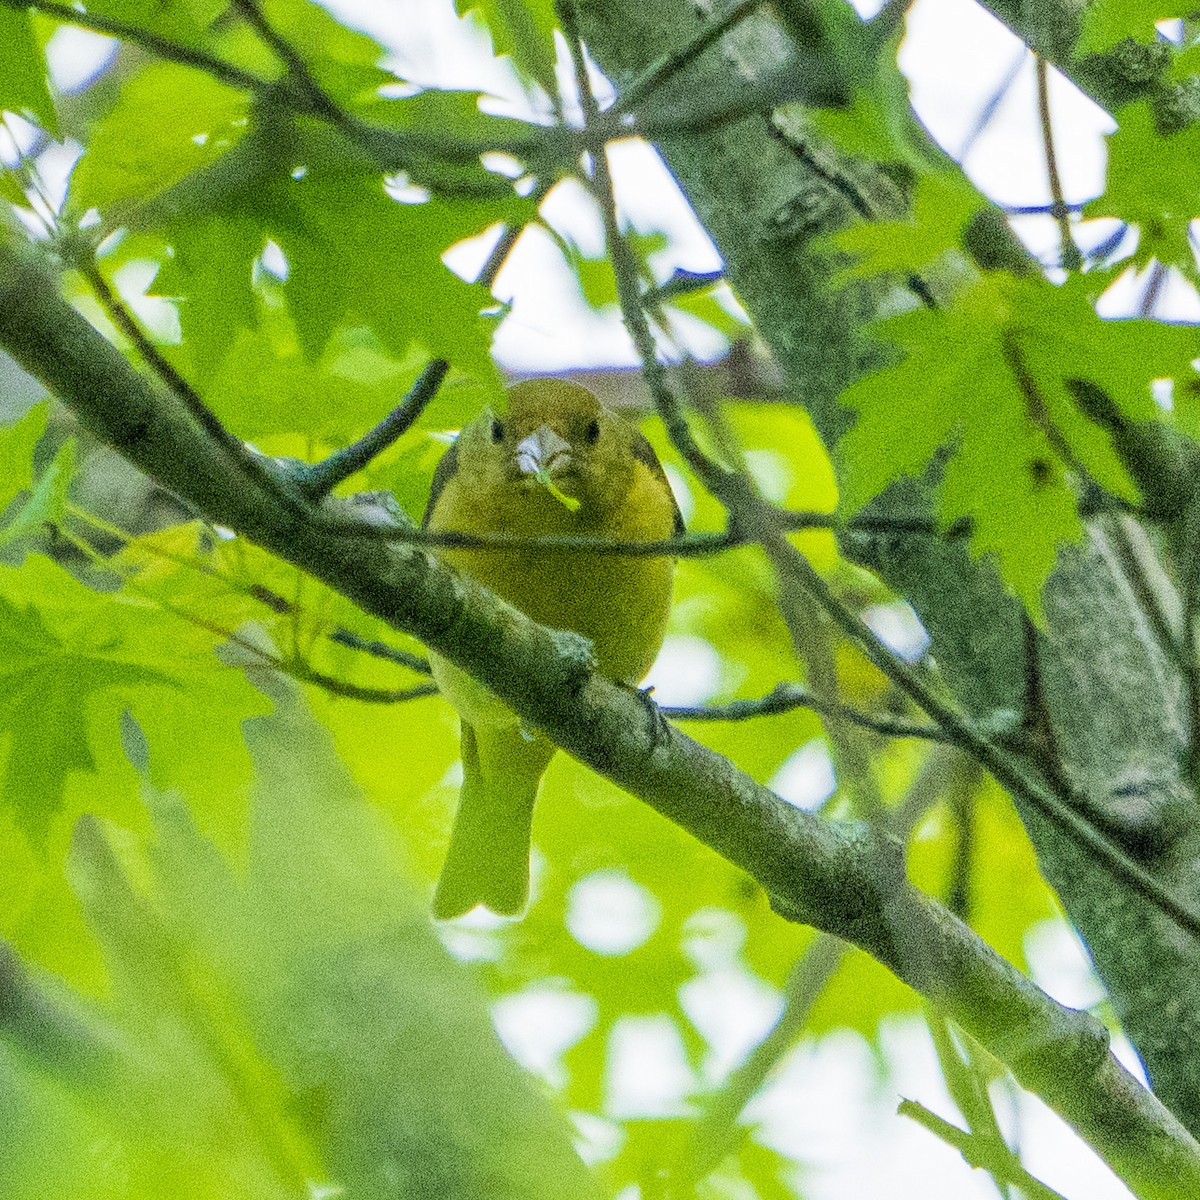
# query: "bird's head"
556,443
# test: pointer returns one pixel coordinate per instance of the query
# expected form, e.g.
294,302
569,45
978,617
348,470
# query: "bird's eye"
592,433
497,431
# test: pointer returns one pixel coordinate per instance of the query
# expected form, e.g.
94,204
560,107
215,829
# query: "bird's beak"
543,454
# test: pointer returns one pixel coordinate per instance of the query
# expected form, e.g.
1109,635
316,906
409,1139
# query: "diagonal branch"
980,1152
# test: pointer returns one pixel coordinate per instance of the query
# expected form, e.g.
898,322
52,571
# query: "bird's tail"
487,861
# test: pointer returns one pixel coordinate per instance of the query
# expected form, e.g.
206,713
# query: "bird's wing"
644,453
447,468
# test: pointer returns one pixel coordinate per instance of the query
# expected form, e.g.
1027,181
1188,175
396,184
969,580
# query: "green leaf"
878,122
715,307
72,660
597,281
17,444
987,379
184,21
266,388
49,682
523,29
23,87
11,188
48,499
451,113
343,61
942,206
450,135
210,274
1151,184
169,122
1104,23
354,251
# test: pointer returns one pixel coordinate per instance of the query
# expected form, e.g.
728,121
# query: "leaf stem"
1070,258
983,1153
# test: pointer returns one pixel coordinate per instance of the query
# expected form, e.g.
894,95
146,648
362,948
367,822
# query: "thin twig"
1147,596
669,410
669,65
300,671
318,480
966,1078
1070,257
983,1153
392,148
992,105
1153,290
1038,412
377,649
292,665
343,636
717,478
681,283
784,85
250,463
163,47
718,1129
958,890
787,697
691,545
256,591
1038,210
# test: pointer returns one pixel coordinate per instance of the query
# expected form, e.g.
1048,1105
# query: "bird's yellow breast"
619,602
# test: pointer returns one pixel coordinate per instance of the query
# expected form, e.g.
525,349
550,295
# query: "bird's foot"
658,727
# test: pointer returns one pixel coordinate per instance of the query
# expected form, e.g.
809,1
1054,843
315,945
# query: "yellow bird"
556,461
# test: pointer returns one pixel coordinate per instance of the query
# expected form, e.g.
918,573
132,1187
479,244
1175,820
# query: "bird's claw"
659,728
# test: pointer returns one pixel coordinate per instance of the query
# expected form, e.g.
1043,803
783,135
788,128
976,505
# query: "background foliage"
221,811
